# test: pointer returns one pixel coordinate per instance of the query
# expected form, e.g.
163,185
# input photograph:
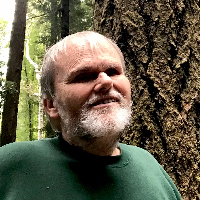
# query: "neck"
101,146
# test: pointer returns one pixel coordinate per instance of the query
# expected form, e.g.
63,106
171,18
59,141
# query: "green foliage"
1,87
39,21
37,46
80,16
28,104
2,63
3,25
48,14
10,87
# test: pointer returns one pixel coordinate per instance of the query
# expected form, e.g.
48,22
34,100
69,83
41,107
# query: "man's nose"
104,82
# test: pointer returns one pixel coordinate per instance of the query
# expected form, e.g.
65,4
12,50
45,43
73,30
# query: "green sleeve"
176,192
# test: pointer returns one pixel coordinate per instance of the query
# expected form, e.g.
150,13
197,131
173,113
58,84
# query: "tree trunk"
64,18
40,116
41,109
13,77
160,41
54,22
30,110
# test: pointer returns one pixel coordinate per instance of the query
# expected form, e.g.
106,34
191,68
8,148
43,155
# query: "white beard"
106,122
96,123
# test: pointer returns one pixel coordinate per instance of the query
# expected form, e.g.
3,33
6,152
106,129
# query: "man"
87,98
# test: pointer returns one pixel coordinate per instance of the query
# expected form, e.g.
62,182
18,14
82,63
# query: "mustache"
98,97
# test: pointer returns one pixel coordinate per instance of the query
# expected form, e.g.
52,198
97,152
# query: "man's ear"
50,109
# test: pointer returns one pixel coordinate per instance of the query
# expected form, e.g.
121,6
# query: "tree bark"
54,22
160,41
13,76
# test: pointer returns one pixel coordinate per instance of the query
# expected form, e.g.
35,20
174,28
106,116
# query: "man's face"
90,81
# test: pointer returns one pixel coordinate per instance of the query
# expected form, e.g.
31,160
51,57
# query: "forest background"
42,30
160,41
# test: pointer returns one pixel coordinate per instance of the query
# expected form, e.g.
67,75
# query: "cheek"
124,87
76,96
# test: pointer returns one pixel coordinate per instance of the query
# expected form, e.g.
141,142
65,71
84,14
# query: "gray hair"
49,62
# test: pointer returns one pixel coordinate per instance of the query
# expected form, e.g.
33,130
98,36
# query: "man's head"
86,93
50,61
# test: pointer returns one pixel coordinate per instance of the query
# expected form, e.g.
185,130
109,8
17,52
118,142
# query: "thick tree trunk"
64,18
160,41
13,77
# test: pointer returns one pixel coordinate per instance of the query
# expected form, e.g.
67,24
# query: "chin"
104,122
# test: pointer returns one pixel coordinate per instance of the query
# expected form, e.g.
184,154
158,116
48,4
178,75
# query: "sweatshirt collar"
78,155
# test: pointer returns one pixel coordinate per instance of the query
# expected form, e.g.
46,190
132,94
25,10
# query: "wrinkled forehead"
92,42
85,46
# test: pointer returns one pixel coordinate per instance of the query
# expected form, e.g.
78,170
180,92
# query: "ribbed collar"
79,155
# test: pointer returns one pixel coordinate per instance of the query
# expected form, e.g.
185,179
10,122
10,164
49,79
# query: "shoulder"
140,158
135,151
18,155
17,149
23,144
144,164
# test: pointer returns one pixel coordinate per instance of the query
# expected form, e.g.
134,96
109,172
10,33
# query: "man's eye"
112,72
84,77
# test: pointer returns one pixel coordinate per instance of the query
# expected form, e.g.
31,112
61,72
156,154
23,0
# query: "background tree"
64,10
13,76
29,122
43,30
160,41
3,25
30,117
51,12
80,16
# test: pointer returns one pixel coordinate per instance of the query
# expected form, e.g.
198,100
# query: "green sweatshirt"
52,169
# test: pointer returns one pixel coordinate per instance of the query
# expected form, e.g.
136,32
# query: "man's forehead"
87,44
92,39
81,47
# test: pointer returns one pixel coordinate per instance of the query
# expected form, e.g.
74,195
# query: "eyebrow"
81,70
74,72
90,69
